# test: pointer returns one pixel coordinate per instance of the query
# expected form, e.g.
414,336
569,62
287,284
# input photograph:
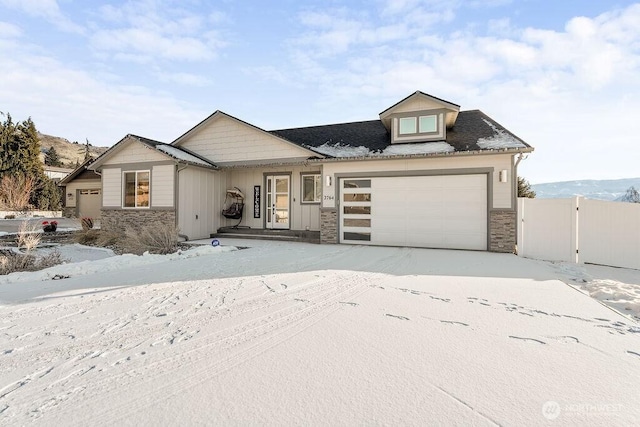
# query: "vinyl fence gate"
580,230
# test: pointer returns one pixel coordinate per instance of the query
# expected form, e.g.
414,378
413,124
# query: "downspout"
177,198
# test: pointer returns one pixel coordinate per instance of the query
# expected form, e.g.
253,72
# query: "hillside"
68,152
608,189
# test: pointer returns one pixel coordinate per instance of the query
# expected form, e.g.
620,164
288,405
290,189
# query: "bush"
10,217
28,236
87,223
28,262
99,238
156,239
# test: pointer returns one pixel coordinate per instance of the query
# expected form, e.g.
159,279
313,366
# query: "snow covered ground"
291,333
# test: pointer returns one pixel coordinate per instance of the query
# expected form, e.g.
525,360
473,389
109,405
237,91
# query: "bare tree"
15,191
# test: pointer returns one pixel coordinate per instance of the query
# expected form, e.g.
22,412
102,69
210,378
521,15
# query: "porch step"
260,234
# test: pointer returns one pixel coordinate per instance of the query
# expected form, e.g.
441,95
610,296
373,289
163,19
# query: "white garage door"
89,202
448,211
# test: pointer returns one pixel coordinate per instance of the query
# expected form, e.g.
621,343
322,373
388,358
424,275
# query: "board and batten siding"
162,183
111,187
136,153
200,197
301,215
502,192
227,140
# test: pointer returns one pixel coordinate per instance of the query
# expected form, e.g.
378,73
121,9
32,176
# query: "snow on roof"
500,139
181,155
343,150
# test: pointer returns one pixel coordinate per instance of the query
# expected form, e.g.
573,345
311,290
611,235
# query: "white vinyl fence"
580,230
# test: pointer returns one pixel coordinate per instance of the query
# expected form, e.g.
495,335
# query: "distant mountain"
68,152
606,189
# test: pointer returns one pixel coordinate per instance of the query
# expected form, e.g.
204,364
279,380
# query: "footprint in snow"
352,304
566,339
440,299
527,339
453,322
396,316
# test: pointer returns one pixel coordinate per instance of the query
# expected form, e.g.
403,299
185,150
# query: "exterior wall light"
327,180
503,175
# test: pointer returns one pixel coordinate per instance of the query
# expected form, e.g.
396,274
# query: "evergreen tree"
52,158
19,157
524,189
85,151
48,195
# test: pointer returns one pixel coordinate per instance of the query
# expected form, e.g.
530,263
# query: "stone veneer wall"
328,226
502,230
120,220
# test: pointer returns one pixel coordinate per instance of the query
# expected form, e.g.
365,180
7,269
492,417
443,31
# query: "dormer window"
428,124
420,124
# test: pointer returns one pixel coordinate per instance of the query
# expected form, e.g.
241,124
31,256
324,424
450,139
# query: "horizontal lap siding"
162,186
226,140
112,187
136,153
502,192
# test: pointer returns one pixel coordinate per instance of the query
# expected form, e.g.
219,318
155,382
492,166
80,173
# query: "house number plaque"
256,201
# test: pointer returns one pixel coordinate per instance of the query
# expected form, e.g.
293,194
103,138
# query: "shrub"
99,238
87,223
154,238
10,217
28,236
28,262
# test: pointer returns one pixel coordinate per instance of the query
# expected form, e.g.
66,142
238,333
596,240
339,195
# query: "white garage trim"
386,208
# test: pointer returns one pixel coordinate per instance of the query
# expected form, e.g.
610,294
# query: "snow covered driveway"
289,333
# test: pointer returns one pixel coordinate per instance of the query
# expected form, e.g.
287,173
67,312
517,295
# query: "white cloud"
151,30
9,31
46,9
52,93
184,79
572,93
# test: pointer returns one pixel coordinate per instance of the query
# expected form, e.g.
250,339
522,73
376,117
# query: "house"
82,194
423,174
56,173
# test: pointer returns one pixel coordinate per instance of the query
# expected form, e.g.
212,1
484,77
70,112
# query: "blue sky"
562,75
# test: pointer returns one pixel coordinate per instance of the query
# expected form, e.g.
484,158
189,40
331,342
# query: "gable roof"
473,131
77,171
218,113
177,154
420,93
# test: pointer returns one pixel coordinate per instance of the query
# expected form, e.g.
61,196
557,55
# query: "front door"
277,203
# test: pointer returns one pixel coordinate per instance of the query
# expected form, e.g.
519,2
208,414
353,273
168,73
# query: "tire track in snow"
317,289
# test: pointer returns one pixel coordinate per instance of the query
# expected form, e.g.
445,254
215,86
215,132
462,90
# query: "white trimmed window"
311,188
416,125
428,124
136,189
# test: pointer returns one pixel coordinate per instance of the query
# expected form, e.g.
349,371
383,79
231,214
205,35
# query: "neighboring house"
56,173
424,174
82,192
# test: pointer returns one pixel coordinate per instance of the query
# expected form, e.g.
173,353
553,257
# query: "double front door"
277,201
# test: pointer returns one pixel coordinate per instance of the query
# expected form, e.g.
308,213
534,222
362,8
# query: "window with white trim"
417,125
311,188
136,189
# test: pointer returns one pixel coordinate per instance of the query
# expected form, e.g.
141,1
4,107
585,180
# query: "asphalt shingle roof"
470,128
